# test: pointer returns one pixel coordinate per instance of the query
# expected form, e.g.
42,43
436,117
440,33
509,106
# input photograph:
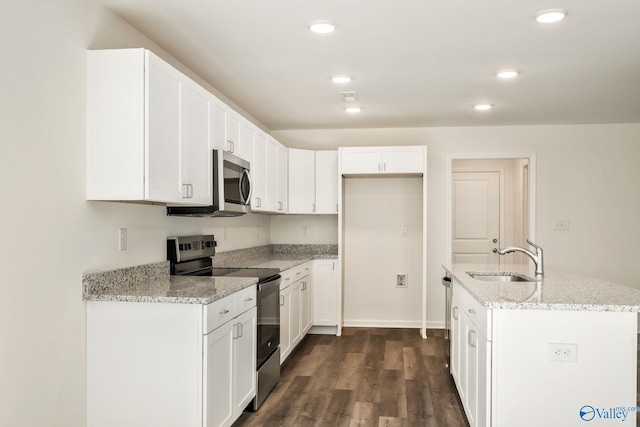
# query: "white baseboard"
413,324
323,330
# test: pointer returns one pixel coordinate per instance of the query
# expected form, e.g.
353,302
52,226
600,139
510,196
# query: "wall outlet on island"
401,280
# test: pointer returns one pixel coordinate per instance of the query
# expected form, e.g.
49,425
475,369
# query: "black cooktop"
263,274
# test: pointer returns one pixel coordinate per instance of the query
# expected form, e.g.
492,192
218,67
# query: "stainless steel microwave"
231,189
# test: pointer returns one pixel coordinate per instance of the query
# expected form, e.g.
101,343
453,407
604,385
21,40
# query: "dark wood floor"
366,377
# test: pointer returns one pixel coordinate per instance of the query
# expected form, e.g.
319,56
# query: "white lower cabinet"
296,307
325,292
470,363
171,365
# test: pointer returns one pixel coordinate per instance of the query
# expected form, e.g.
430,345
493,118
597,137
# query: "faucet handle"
533,244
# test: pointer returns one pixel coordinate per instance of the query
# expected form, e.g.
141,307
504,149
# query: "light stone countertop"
558,290
152,283
280,261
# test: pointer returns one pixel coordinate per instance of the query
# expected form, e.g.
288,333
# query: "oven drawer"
218,313
244,300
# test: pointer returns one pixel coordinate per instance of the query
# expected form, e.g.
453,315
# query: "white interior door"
476,217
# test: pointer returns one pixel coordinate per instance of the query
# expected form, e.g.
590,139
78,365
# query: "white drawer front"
218,313
244,300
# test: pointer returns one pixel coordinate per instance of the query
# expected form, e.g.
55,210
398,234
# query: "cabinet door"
282,185
305,305
271,196
302,193
361,160
259,172
482,392
233,133
163,137
325,293
245,360
403,159
326,182
470,374
219,125
455,338
247,134
218,396
294,314
196,154
285,320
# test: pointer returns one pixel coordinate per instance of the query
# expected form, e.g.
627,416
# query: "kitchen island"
557,351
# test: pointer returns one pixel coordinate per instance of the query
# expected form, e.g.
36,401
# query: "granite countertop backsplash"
557,290
152,282
282,257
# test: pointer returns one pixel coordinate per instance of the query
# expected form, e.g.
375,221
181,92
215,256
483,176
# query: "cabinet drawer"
478,314
244,300
294,274
218,313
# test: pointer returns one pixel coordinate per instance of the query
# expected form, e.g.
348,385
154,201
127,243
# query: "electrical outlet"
122,239
401,280
305,231
403,231
563,352
562,225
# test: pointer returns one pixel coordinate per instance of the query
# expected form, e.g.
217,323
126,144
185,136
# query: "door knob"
495,240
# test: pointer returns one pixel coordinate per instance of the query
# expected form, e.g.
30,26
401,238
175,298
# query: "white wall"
321,229
587,174
50,234
375,209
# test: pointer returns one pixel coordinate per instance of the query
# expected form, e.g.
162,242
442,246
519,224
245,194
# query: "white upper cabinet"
302,191
282,174
147,130
247,132
259,173
313,182
382,160
196,157
227,129
327,182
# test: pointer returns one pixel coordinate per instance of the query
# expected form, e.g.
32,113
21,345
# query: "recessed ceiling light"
551,15
507,74
482,107
322,27
342,79
352,110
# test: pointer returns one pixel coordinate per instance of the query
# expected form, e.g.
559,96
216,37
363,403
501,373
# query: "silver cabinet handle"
248,299
240,330
188,190
280,206
472,333
471,311
313,207
225,311
234,332
282,300
304,286
378,167
384,166
232,145
455,313
258,202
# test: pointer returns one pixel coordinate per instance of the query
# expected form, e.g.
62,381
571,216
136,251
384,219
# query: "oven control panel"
186,248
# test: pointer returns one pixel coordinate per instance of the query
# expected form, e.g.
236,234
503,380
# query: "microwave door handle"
245,175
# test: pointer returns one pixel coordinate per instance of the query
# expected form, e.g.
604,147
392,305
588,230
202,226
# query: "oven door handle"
245,175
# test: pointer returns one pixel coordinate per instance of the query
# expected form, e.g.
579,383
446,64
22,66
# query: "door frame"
494,156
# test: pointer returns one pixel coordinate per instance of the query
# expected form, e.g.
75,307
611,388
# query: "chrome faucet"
536,258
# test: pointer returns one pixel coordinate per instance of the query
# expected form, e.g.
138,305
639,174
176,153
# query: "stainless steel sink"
497,277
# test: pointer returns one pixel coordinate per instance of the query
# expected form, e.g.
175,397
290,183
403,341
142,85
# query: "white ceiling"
414,63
